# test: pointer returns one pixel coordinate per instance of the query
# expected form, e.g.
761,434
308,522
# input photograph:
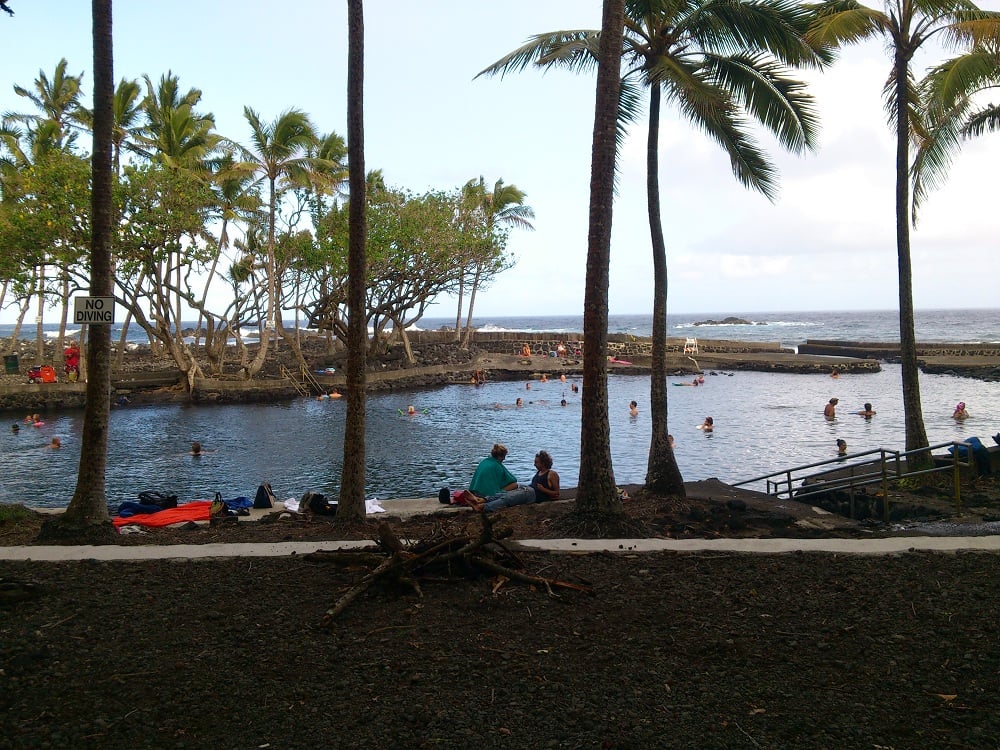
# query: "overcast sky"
827,243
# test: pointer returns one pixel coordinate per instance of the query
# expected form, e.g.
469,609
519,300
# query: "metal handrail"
783,483
301,389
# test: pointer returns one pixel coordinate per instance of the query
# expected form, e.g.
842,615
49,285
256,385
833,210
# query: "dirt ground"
663,650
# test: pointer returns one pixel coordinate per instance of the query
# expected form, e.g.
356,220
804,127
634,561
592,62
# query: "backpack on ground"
314,502
161,500
265,497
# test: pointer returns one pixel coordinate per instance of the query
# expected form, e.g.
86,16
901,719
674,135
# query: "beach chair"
690,346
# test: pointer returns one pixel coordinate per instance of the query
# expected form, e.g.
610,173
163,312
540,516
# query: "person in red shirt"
71,360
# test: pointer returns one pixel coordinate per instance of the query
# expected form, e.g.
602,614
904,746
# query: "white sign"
93,310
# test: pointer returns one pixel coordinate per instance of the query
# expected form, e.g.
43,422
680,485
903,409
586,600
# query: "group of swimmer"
35,420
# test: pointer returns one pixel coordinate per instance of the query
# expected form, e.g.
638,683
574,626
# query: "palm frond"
842,22
713,111
779,103
575,50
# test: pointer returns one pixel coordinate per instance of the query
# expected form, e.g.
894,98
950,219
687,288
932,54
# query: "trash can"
11,364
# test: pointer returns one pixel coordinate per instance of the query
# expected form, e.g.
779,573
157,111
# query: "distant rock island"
728,322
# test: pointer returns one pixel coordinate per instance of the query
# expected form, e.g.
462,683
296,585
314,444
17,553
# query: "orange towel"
196,511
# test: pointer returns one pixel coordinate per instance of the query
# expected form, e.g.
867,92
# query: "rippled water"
764,422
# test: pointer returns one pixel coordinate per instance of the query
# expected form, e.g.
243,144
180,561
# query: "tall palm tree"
278,159
723,63
907,26
497,210
351,503
87,513
596,494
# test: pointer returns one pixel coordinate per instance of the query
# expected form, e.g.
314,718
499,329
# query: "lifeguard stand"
690,346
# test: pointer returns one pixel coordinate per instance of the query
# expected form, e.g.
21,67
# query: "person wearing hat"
830,410
960,413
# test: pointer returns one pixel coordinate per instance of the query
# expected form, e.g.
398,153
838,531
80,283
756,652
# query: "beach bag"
161,500
265,497
314,502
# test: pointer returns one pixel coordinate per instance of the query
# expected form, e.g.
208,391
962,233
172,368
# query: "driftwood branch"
428,560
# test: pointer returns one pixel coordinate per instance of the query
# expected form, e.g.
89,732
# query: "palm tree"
906,25
722,64
351,503
496,211
279,160
596,496
87,513
59,102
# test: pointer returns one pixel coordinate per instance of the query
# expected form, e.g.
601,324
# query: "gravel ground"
666,650
671,650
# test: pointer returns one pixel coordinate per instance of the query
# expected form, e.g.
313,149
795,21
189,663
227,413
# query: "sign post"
93,310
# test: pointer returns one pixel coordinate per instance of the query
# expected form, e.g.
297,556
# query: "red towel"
196,511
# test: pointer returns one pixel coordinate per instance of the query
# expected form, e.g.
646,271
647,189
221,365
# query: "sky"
826,243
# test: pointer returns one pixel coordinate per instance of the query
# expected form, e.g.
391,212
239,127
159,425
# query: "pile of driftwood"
444,558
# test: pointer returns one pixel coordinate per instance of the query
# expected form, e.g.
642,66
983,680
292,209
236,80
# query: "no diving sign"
93,310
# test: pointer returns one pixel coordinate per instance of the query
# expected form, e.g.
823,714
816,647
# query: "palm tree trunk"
916,435
351,504
87,514
662,473
596,493
40,316
472,304
458,312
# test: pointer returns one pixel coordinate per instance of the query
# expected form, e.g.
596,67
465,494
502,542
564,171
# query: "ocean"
765,422
786,328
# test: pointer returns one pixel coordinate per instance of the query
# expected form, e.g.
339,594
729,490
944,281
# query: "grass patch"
14,514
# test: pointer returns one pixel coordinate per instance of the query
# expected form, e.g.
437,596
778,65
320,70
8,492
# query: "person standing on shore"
830,410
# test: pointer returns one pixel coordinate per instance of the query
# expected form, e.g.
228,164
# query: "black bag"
265,497
160,499
314,502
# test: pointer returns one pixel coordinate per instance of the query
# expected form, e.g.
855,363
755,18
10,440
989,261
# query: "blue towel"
238,503
129,508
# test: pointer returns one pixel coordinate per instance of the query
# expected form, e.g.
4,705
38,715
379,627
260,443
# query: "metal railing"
299,387
856,471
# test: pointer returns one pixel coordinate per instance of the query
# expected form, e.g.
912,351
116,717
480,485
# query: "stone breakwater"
439,360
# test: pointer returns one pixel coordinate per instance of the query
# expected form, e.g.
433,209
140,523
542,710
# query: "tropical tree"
596,494
906,26
493,212
351,503
50,131
87,513
58,100
278,159
723,64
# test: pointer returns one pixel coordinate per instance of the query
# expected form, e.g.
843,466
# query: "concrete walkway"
892,545
423,506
